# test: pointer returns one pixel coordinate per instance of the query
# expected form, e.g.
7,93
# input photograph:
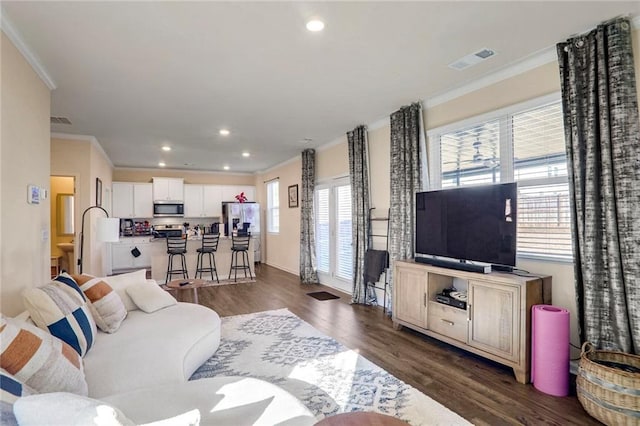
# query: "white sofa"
143,369
160,348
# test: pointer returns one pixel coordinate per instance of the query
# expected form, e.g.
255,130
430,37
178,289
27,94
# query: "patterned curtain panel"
359,176
602,132
308,266
406,130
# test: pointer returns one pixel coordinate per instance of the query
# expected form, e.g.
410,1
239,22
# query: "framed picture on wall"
293,196
98,192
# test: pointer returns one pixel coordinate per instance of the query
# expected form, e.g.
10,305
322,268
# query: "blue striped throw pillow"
61,308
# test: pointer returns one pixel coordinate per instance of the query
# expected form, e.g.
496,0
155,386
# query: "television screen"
469,223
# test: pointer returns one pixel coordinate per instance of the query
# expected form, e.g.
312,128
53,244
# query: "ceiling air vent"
60,120
472,59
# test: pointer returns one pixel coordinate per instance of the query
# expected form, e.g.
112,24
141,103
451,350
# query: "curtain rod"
271,180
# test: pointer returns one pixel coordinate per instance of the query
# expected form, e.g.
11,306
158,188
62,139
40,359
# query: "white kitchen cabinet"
192,201
229,192
202,201
122,199
132,200
168,189
123,259
212,201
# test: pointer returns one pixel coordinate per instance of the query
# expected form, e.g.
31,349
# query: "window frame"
271,207
507,162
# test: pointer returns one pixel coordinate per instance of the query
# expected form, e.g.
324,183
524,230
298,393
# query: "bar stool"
176,246
209,247
240,244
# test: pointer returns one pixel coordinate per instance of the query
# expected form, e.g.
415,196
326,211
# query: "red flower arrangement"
241,198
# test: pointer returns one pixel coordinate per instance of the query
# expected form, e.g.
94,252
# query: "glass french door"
334,253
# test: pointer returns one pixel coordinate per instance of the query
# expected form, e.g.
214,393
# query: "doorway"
63,224
334,252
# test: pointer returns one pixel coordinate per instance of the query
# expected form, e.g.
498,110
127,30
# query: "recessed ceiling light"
245,154
166,148
315,25
224,132
161,164
226,167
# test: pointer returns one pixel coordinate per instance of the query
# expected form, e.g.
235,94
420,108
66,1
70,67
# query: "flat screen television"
466,224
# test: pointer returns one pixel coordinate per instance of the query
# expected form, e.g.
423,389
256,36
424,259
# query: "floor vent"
60,120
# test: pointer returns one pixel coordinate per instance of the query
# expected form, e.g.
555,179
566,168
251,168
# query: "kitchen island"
159,259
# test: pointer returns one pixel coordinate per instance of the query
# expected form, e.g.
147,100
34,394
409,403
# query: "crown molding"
10,30
164,169
386,121
533,61
86,138
284,163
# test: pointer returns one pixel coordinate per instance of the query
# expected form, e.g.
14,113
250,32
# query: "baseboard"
297,273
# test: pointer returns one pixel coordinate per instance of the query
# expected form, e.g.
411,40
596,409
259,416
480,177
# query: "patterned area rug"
328,378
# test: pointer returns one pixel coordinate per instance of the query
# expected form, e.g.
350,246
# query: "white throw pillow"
106,306
120,283
150,297
62,408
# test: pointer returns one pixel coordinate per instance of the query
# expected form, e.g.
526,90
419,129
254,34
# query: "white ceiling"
138,75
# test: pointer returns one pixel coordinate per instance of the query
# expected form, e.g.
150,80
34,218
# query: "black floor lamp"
108,231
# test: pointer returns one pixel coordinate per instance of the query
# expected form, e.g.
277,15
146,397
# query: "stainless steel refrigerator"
235,215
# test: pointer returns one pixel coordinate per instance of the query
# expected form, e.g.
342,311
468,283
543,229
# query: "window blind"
538,143
540,168
471,156
523,144
273,206
322,230
544,221
344,253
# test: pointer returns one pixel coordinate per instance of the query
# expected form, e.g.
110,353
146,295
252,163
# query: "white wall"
24,160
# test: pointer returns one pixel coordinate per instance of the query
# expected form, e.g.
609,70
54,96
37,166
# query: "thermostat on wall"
33,194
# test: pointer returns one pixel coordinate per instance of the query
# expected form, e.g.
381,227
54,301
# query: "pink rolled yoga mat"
550,349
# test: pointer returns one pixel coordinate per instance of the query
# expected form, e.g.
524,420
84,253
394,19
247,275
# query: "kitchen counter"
159,258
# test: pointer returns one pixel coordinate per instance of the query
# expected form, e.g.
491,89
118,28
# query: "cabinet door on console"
495,318
410,294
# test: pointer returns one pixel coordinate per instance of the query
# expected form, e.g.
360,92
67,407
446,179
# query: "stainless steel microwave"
168,210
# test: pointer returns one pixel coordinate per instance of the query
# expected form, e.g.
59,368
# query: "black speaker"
452,264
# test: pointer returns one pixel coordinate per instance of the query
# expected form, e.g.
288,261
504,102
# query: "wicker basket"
609,394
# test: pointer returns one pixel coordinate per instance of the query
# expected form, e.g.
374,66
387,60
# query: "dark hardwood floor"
483,392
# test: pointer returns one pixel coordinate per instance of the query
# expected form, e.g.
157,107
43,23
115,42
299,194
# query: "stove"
164,231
